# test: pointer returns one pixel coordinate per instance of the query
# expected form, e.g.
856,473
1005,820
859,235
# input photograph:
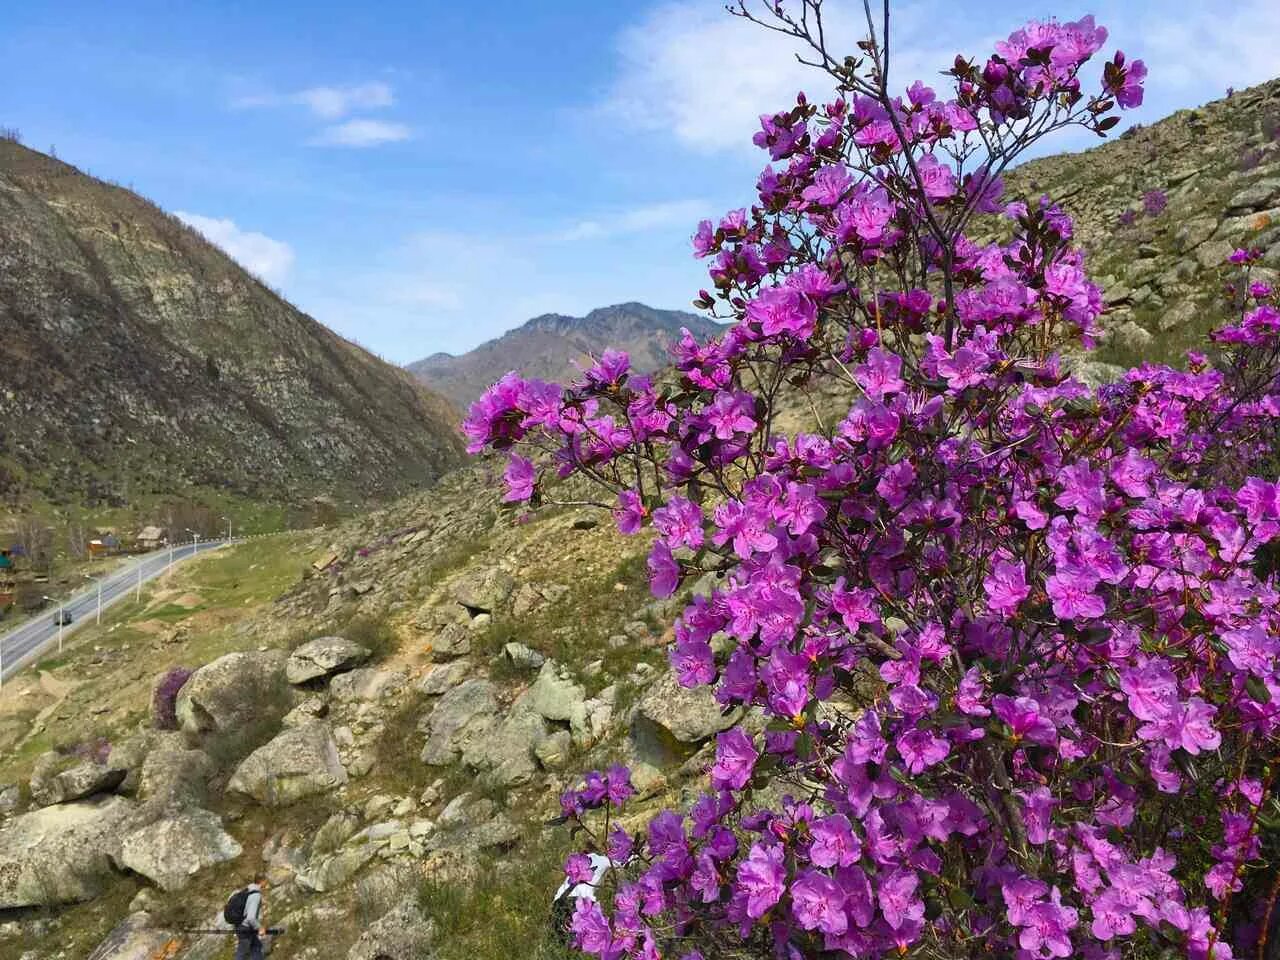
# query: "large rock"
466,712
174,775
171,851
483,591
443,677
330,871
234,693
61,779
366,684
449,642
301,762
322,657
556,696
689,716
133,938
1257,196
62,853
403,933
507,757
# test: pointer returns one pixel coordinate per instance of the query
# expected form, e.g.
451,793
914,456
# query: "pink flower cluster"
1009,645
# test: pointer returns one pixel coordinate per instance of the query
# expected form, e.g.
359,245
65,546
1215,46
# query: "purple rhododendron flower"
762,878
664,571
520,476
736,757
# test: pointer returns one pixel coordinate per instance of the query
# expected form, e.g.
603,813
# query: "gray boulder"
61,779
482,591
522,657
171,851
366,683
133,938
466,712
444,677
300,762
233,693
333,870
453,640
403,933
62,853
174,774
557,697
689,716
507,757
322,657
1258,195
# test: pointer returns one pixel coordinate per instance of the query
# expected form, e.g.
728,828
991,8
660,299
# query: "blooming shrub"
165,698
1154,202
1009,641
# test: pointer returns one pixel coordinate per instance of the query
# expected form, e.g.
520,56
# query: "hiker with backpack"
244,912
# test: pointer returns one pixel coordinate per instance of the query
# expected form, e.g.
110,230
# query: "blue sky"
421,176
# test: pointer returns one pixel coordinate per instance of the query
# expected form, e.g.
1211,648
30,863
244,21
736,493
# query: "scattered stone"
323,657
556,696
10,797
171,851
522,657
301,762
173,775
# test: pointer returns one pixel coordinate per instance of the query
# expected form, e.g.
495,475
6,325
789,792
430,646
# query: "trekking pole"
271,931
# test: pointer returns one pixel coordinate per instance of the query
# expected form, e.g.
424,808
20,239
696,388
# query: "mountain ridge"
547,345
139,356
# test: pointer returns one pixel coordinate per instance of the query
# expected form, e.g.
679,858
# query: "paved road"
23,644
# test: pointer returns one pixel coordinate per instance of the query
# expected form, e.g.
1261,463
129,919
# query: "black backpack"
233,912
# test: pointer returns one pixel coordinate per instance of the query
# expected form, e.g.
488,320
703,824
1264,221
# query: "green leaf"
1257,689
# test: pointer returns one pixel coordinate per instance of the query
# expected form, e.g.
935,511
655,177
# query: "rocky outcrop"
233,693
301,762
170,851
173,775
135,937
323,657
62,853
60,779
459,717
403,933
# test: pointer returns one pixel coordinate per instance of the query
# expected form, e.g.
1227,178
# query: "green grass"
503,912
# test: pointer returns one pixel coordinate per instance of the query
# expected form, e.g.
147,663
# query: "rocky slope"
388,737
547,347
1158,210
137,357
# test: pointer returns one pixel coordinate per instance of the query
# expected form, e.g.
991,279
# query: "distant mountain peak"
548,345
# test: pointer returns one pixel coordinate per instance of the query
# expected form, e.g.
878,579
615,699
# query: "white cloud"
326,102
256,252
691,69
1209,46
653,216
362,133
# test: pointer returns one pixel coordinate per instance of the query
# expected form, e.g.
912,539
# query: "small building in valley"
151,538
